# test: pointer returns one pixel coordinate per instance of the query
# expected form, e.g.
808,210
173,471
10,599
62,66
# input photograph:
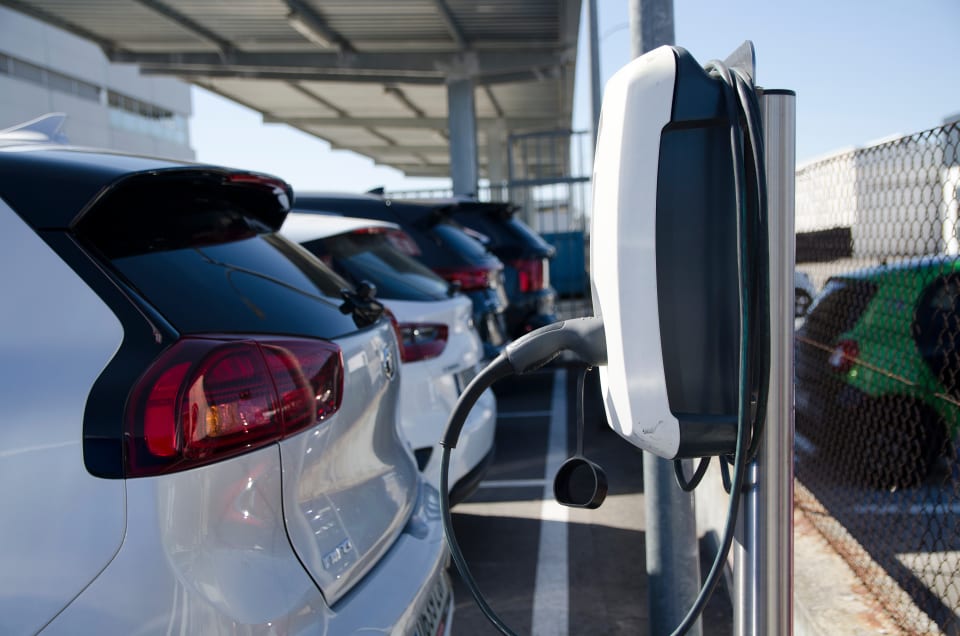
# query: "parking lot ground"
544,568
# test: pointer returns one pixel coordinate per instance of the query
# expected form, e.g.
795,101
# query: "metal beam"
450,21
493,101
439,123
401,97
108,46
347,75
196,28
392,150
311,25
303,90
420,171
439,64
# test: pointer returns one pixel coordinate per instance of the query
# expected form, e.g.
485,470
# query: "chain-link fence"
878,369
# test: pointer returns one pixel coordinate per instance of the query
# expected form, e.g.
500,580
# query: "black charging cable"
753,266
585,339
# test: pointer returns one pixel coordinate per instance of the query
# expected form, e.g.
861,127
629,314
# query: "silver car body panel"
206,552
432,387
61,526
350,483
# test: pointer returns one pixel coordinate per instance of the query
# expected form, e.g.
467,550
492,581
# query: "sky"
862,71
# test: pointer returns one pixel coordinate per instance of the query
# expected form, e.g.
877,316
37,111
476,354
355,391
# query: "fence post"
763,558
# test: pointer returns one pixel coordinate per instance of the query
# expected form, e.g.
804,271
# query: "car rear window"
509,237
838,308
372,257
458,241
205,256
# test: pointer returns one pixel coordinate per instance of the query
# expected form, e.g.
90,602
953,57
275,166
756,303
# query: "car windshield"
371,257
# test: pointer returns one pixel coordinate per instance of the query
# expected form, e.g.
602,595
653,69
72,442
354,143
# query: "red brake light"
422,341
844,355
532,274
470,278
257,179
403,242
207,399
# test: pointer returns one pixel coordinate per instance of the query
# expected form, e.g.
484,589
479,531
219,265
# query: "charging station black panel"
696,258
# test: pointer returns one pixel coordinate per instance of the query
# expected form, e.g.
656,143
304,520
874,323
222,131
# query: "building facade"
44,69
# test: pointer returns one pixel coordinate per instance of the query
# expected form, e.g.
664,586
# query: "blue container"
568,269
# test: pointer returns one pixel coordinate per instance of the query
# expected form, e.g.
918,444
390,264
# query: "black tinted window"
838,308
509,237
247,286
371,257
455,239
201,253
937,330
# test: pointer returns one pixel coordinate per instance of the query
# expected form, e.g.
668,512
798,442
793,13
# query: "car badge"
387,362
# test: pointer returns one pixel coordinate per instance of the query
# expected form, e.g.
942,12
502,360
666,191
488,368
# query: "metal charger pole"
763,557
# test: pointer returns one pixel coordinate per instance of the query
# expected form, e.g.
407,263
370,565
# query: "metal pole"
763,561
673,554
651,25
595,91
462,119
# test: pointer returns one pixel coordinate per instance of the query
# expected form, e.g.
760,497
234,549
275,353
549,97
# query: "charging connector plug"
583,337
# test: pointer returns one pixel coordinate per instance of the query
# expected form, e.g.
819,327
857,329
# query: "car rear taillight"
422,341
844,355
210,398
469,278
419,341
532,274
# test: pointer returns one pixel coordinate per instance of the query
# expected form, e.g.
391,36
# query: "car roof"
302,227
373,204
919,264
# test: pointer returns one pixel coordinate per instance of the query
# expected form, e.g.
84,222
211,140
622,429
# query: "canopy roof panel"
365,75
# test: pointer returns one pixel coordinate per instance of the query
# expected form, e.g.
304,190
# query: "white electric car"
196,438
439,346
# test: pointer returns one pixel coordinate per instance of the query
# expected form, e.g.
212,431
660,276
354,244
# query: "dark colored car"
441,244
878,372
525,255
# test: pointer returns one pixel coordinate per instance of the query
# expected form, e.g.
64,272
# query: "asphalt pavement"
547,569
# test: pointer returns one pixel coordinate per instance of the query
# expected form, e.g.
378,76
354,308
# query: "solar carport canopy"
373,76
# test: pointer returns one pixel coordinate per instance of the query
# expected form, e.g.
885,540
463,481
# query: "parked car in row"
439,243
439,346
200,431
878,370
525,255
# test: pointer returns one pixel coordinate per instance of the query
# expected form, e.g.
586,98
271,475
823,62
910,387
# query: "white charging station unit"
664,257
